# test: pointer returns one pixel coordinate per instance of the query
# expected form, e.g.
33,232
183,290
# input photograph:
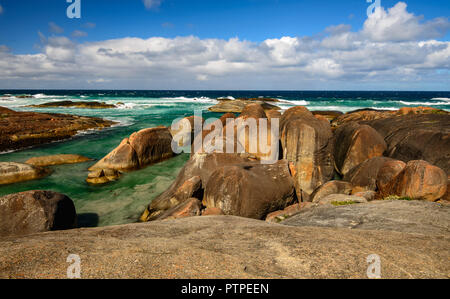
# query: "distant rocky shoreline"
20,130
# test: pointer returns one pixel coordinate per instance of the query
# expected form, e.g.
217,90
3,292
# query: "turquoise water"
122,201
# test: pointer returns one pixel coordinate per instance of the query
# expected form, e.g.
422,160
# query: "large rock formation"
364,176
11,172
419,180
142,148
417,137
183,132
19,130
56,160
250,190
227,247
200,165
307,145
354,144
35,211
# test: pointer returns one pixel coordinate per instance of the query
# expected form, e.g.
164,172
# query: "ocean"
122,201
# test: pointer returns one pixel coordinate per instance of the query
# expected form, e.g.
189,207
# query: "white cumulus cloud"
152,4
336,59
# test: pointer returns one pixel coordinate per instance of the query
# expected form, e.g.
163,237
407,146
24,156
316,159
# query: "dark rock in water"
417,137
417,217
35,211
85,104
142,148
250,190
332,187
199,165
24,129
364,176
354,144
236,106
11,172
307,145
227,247
419,180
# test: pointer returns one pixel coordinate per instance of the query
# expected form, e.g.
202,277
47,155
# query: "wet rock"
56,160
11,172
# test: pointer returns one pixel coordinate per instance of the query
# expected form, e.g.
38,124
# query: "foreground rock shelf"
19,130
224,247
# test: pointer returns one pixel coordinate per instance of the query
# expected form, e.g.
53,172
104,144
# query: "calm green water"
123,201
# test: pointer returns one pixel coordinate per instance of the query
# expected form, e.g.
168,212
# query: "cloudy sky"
225,44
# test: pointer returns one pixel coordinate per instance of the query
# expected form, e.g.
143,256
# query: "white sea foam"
424,103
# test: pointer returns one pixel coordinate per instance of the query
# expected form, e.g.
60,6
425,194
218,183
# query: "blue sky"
33,27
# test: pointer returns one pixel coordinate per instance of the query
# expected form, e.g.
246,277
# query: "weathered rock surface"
189,208
364,176
227,247
250,190
82,104
35,211
19,130
236,106
307,145
11,172
417,217
419,180
142,148
354,144
332,187
56,160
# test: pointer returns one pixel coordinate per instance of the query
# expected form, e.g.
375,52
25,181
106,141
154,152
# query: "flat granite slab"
224,247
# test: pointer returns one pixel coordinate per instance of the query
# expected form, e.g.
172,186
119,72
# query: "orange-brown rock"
183,132
290,211
56,160
332,187
387,173
189,208
364,176
420,180
354,144
307,145
143,148
212,212
19,130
